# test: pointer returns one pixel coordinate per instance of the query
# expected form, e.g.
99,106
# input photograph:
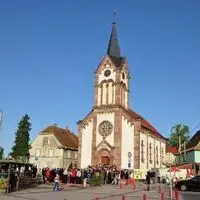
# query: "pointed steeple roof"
113,46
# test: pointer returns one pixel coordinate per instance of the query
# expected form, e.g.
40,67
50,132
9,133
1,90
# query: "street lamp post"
169,159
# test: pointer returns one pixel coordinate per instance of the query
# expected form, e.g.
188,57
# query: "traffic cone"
120,185
162,196
159,189
177,195
134,186
144,196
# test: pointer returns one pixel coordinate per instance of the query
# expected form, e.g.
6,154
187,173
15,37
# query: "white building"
112,133
54,147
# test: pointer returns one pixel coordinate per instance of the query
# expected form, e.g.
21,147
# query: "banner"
140,173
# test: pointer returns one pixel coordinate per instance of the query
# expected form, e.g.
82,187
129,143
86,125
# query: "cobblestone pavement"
107,192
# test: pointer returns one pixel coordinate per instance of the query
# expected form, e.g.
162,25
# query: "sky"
49,51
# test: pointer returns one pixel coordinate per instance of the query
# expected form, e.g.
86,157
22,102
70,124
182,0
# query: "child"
56,183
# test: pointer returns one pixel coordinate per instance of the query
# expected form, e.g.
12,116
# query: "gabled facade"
54,147
112,133
192,152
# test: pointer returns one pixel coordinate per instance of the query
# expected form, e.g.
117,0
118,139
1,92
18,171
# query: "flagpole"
179,149
185,152
170,168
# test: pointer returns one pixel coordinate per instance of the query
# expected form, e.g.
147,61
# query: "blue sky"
49,51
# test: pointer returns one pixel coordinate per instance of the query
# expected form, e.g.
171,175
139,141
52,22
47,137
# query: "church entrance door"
105,160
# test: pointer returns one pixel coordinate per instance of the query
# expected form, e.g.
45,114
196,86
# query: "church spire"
113,46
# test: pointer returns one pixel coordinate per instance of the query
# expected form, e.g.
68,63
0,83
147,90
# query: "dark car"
192,184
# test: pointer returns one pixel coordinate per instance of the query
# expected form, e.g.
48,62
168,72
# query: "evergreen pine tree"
70,166
1,153
20,150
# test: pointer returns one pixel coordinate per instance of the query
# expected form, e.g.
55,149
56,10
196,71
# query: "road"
107,192
190,196
182,195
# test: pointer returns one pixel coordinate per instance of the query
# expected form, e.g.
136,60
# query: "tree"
179,130
20,150
70,166
1,153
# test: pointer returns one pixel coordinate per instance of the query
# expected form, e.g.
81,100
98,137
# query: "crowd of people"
110,174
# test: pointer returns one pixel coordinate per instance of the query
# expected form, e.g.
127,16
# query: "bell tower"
112,133
112,76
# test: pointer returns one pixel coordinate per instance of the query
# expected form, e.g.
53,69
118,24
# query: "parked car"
192,184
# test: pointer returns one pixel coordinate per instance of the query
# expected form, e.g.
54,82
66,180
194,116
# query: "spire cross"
114,16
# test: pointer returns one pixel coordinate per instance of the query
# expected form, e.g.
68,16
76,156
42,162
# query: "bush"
96,179
3,183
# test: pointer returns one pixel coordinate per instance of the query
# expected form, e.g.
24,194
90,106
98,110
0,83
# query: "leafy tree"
179,130
1,153
20,150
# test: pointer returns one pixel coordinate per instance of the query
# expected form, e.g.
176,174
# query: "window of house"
37,152
75,164
51,152
45,141
61,152
65,153
142,150
157,159
76,155
72,154
69,154
150,153
162,155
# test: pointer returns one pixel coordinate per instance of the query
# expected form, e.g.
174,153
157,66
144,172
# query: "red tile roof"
194,142
173,150
145,124
66,138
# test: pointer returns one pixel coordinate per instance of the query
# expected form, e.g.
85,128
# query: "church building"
112,133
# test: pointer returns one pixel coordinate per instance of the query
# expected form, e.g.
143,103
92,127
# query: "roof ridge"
145,123
64,136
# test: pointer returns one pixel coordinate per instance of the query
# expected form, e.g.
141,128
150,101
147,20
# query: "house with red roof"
54,147
191,154
173,150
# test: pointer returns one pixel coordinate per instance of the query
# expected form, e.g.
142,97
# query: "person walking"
56,183
148,180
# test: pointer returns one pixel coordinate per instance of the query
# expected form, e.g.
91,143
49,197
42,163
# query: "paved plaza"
107,192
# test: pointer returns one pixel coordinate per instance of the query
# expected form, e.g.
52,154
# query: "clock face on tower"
105,128
107,73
